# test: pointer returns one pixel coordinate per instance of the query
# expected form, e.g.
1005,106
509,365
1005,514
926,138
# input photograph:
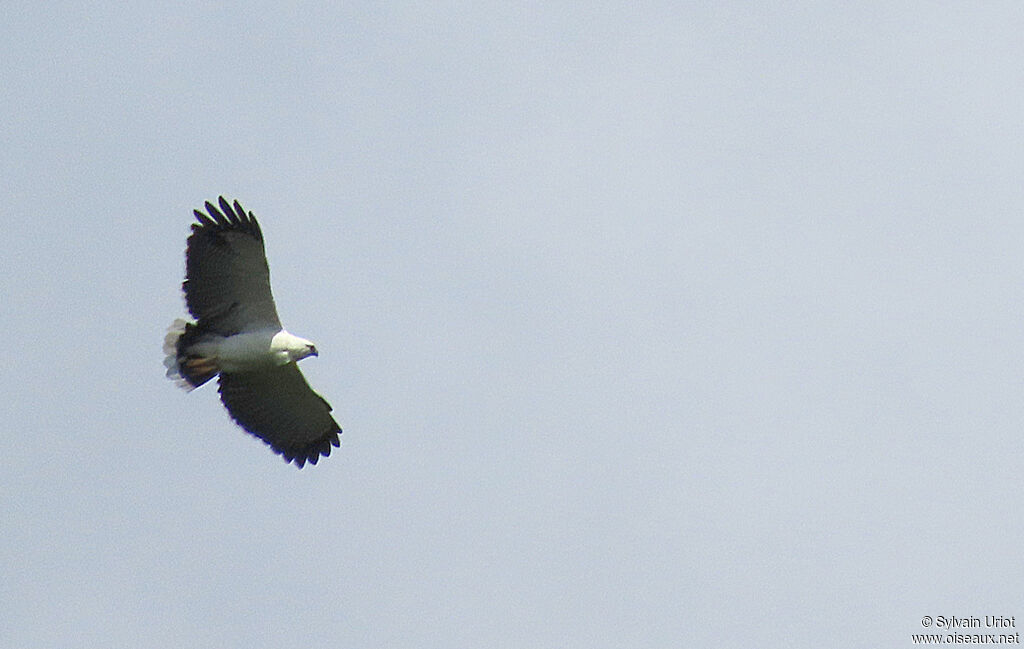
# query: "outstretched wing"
227,280
279,407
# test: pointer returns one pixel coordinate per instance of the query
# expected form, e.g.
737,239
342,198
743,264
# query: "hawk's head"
296,348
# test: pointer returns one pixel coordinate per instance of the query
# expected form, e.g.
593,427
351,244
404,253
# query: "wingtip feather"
228,216
313,453
226,208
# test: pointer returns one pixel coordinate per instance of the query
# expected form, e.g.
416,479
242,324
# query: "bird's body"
239,337
253,351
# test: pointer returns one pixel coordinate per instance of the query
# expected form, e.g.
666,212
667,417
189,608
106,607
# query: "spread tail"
187,369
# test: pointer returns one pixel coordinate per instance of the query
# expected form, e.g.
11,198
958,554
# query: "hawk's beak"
312,350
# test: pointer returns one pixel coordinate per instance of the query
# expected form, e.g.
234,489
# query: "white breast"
249,351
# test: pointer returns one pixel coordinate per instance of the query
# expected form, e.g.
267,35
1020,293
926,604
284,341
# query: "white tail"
174,333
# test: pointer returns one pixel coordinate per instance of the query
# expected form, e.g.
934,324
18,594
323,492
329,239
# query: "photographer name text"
972,622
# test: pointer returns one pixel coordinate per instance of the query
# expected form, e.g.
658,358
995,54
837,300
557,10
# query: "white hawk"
238,335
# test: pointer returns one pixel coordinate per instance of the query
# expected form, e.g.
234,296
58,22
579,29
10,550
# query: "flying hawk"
238,335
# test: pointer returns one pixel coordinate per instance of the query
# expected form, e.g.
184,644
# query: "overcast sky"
648,324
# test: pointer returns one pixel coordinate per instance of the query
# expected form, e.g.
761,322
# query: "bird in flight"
238,336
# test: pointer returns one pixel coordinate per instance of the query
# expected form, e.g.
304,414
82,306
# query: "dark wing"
279,407
227,280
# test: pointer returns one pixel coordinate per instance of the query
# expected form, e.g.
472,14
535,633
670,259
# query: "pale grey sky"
648,324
